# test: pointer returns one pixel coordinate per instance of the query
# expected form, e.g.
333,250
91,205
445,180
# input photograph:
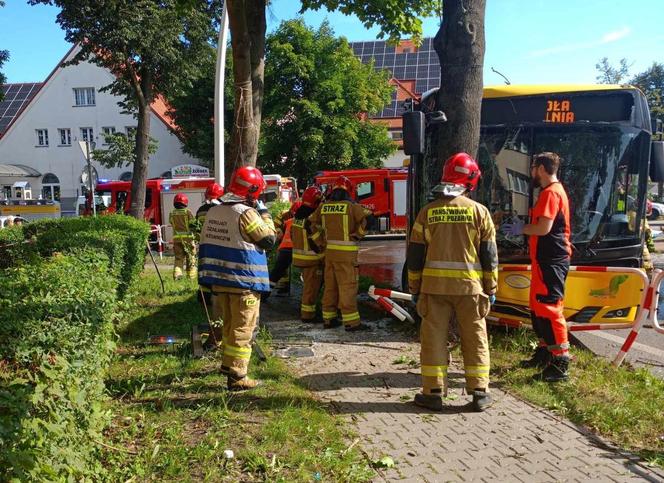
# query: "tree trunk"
245,19
257,26
140,173
460,45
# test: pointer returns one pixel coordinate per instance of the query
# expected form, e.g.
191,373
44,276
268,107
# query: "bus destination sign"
559,111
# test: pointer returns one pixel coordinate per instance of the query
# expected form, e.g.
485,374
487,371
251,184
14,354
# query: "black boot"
482,400
540,359
429,401
357,328
331,324
556,371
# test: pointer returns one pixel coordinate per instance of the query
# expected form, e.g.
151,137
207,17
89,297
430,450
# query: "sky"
529,41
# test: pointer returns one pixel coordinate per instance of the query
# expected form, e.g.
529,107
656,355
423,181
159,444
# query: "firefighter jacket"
452,249
286,240
179,219
303,255
338,226
203,210
280,222
232,248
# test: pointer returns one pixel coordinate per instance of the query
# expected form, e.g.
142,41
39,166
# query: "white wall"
396,159
54,107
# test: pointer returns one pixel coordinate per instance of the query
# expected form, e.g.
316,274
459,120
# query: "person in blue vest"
232,263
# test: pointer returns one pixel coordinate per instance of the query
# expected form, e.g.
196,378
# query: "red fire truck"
383,191
158,197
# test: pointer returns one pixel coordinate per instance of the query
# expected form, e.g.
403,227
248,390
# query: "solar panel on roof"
17,96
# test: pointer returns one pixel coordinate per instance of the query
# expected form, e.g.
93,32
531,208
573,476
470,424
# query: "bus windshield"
600,170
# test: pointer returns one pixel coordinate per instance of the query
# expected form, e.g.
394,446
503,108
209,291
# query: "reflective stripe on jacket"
343,224
225,258
452,249
303,255
179,219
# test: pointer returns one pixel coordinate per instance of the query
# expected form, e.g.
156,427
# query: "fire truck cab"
279,188
383,191
158,198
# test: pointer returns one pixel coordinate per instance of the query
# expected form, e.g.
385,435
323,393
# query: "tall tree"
4,57
316,93
651,82
460,46
149,45
609,74
247,27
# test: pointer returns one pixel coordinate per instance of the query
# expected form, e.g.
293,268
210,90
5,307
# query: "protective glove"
260,207
492,298
513,229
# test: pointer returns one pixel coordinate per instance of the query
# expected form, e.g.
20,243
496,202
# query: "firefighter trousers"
547,289
279,276
239,312
437,311
313,279
340,292
184,250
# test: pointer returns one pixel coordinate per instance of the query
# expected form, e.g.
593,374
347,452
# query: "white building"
41,124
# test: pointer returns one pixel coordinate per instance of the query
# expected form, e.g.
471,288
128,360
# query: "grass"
622,404
173,419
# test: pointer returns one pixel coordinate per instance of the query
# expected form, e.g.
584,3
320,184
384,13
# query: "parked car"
657,211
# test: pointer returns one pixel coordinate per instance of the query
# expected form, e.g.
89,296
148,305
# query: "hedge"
121,237
14,247
56,340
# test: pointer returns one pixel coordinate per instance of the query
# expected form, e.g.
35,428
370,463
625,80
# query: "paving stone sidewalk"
512,442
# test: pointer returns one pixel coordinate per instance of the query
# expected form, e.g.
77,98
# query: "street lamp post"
88,155
219,98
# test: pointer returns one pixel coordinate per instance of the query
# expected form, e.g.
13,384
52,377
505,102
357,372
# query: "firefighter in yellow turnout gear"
233,264
338,225
305,257
453,266
184,247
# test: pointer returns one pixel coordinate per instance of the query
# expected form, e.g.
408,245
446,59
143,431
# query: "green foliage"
122,238
55,345
393,17
121,150
609,74
316,92
14,248
193,108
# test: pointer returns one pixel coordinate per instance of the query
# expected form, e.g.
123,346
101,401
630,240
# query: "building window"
51,187
131,132
84,96
65,137
87,134
6,192
107,131
42,137
397,135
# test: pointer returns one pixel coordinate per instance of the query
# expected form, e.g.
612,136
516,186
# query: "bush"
122,238
14,248
55,345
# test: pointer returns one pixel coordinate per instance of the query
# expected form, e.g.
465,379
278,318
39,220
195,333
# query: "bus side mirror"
657,161
413,132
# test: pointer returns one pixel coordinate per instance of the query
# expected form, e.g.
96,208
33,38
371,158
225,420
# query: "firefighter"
233,264
338,225
305,257
184,247
212,195
280,276
453,272
550,252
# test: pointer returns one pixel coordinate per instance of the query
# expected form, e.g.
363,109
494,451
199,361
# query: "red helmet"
213,192
182,199
461,169
295,206
344,183
312,196
247,182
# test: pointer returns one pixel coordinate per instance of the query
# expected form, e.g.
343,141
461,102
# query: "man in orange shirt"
550,252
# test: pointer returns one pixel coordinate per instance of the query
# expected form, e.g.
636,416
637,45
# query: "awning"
18,171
